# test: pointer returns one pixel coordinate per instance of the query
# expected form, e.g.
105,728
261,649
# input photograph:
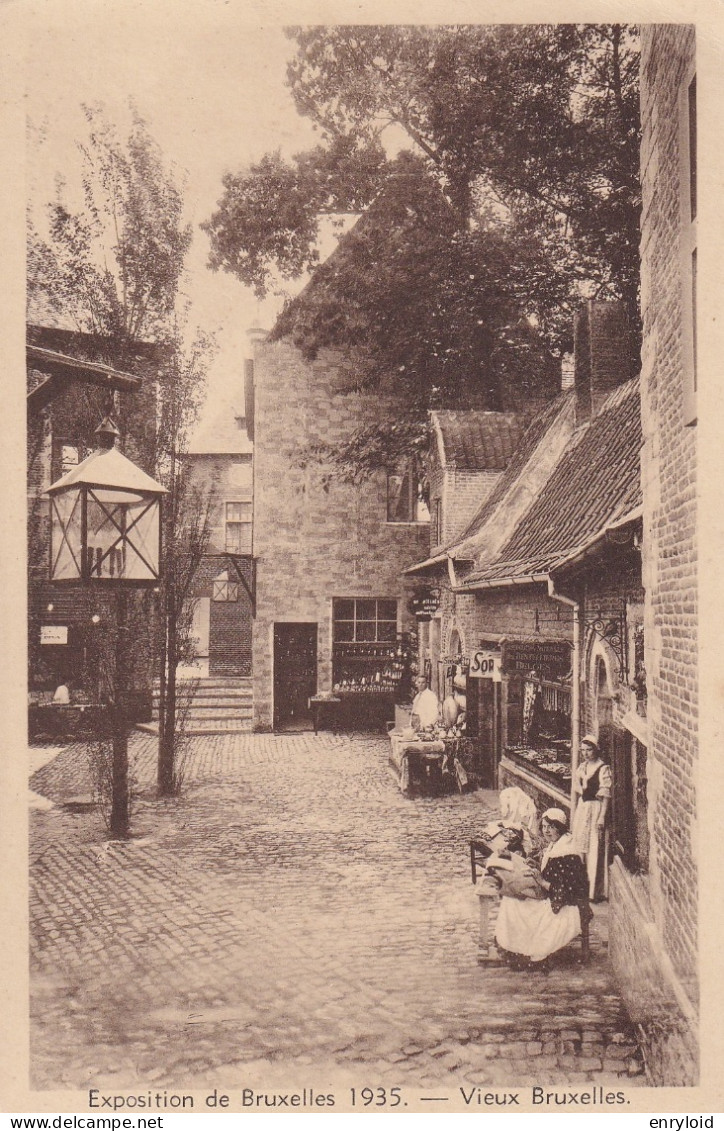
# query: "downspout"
575,685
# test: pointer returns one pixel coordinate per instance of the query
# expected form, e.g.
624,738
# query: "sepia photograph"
361,684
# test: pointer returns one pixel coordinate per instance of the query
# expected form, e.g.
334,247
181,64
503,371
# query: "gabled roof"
219,431
475,440
595,484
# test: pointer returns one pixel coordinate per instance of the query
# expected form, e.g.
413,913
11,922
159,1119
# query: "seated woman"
529,930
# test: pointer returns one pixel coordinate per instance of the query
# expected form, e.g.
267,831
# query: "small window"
225,590
238,528
404,498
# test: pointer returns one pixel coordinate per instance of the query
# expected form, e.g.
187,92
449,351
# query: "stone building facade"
318,539
219,463
654,935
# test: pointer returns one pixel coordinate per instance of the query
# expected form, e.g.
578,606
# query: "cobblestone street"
291,919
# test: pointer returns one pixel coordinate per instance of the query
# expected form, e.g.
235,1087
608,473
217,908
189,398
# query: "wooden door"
295,672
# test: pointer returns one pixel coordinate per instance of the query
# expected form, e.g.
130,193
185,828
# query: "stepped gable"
595,483
476,440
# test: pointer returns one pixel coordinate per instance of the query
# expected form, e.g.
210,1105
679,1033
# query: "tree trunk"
166,749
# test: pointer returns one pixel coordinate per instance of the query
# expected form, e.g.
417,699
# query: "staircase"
218,705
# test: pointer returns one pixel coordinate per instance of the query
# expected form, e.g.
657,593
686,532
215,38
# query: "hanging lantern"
105,520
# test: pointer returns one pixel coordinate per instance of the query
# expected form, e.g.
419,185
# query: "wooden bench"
487,892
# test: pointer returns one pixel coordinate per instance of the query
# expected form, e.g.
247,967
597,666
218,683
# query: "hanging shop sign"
551,659
425,604
53,634
486,665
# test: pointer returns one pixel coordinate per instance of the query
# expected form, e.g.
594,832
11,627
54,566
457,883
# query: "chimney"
600,355
256,335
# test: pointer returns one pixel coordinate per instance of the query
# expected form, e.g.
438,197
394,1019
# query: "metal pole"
119,798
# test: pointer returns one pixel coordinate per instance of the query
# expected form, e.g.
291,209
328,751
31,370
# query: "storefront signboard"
425,604
551,659
54,634
485,665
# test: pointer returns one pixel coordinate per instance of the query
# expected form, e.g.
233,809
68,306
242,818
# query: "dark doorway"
295,674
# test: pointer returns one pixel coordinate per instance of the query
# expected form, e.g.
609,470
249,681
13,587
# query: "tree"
185,539
520,196
115,264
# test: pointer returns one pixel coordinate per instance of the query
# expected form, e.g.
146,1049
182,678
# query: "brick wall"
230,622
669,482
316,537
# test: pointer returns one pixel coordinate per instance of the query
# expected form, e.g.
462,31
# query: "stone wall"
317,537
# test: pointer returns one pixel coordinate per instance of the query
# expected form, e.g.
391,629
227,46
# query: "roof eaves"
96,371
575,557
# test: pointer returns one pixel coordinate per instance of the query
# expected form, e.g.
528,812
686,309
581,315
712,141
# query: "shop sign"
550,658
485,665
425,604
54,634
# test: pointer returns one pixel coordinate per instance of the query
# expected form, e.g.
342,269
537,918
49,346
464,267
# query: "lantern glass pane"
66,536
123,536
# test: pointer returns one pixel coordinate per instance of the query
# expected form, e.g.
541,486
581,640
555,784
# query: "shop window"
404,497
688,194
238,528
365,620
225,590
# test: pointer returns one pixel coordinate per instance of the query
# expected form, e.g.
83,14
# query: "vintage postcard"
362,518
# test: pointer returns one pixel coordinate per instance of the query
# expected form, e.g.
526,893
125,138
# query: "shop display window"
370,657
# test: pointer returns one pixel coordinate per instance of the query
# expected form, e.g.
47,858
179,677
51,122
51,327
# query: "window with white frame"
223,589
364,619
237,538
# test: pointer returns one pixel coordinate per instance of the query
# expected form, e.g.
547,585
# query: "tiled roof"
596,482
476,440
520,456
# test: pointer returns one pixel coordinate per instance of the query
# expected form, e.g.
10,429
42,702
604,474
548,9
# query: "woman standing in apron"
589,830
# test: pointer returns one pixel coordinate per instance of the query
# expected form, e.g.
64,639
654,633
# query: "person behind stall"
592,783
425,707
530,930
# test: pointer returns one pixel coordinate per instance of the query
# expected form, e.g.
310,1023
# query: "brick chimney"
600,353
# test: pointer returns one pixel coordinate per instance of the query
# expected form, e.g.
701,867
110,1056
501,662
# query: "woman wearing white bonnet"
530,930
592,783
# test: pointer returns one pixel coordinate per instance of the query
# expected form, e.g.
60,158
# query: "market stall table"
414,757
317,704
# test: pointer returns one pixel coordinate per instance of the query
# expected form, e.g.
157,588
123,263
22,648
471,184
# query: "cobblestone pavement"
290,918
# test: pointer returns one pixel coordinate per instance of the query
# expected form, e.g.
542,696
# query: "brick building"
654,929
219,463
73,379
575,469
469,451
330,606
